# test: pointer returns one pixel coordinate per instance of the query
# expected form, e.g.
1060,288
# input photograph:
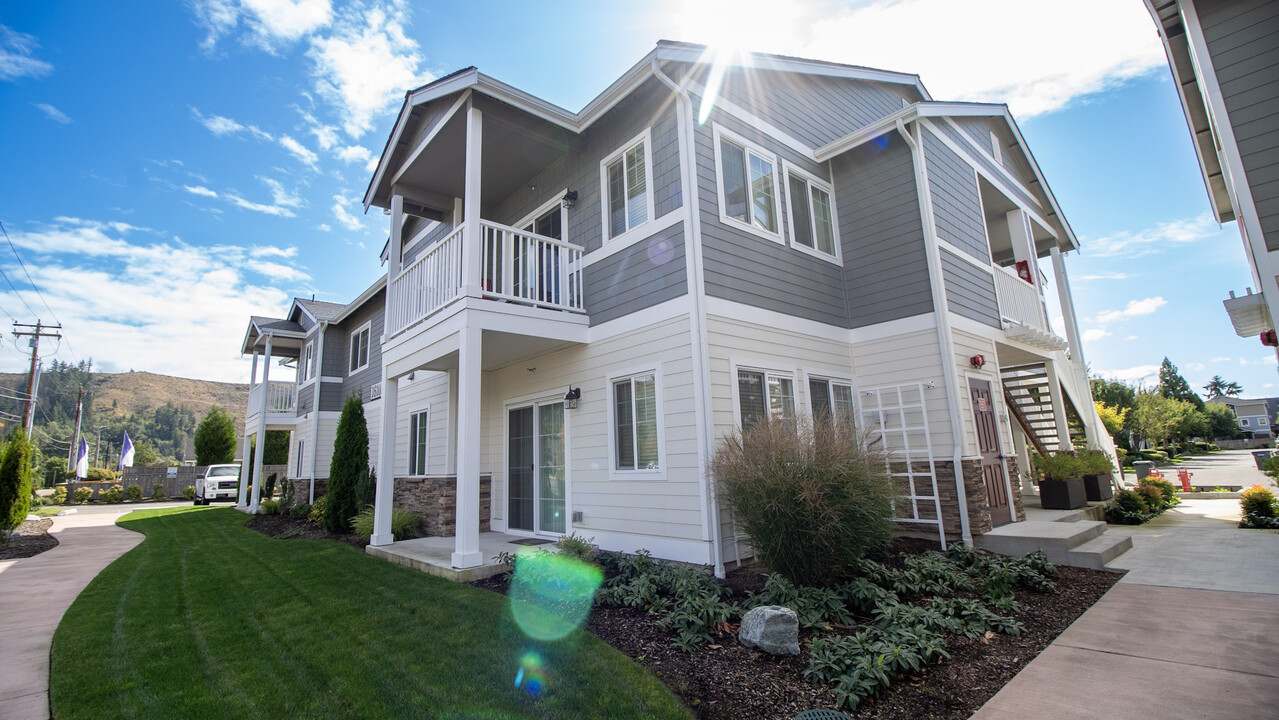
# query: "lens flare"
551,595
533,670
660,251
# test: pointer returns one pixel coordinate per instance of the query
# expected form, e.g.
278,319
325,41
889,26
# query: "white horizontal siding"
911,357
426,389
967,345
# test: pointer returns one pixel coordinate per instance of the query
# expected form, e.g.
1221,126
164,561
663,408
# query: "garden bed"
31,538
286,527
723,679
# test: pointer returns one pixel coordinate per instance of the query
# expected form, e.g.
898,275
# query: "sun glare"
734,25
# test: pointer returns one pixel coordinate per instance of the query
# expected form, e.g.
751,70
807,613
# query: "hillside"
118,394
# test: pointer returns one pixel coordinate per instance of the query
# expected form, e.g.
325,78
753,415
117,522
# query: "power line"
23,265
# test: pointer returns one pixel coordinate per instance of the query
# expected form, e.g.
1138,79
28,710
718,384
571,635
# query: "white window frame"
306,365
352,339
721,134
768,370
412,443
996,149
1243,421
636,474
544,208
301,457
810,375
638,231
813,181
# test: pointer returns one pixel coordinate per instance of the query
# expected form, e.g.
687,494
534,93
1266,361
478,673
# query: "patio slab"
434,555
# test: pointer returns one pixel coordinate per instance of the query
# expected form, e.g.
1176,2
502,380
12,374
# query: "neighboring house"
1225,60
327,351
1255,416
579,306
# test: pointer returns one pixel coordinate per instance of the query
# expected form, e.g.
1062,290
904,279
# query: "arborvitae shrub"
15,481
350,462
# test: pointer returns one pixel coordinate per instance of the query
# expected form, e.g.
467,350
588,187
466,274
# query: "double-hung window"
635,428
418,425
747,185
627,182
301,458
359,350
831,399
764,395
306,364
812,215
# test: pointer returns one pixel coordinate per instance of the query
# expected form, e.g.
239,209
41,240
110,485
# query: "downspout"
697,310
940,309
315,406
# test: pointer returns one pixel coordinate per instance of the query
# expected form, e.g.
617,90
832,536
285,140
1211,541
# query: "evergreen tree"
215,438
1173,385
349,464
1218,386
15,481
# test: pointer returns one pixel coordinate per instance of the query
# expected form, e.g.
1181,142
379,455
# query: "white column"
384,495
450,454
471,204
253,379
1078,366
1059,406
244,470
257,452
395,250
466,536
315,407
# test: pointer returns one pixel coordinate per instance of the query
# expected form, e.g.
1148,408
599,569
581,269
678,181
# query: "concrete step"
1056,539
1095,553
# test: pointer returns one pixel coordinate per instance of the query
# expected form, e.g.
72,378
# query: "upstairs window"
628,201
359,350
635,435
306,363
763,394
748,186
812,215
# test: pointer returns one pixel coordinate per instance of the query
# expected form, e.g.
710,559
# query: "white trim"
967,257
615,473
768,369
457,104
409,448
331,379
534,400
729,310
557,198
807,375
427,228
351,343
645,138
1005,183
892,328
629,238
721,133
788,169
748,118
631,322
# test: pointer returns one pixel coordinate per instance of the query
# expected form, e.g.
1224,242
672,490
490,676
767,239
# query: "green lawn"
207,619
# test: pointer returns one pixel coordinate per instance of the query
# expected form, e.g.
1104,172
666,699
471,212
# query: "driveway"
1189,632
1227,468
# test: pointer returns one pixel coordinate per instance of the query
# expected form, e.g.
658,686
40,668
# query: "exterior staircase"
1078,539
1027,395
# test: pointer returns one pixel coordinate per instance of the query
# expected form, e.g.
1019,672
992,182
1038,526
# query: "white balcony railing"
1019,300
281,398
514,266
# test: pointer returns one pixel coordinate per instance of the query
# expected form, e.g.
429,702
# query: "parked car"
219,482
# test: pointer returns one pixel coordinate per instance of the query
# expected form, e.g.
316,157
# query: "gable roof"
319,309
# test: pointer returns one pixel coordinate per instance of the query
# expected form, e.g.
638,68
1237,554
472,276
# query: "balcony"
514,266
1021,307
281,404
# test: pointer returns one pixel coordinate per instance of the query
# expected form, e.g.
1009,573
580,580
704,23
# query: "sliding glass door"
536,477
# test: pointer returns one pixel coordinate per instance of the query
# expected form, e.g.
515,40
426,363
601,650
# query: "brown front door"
992,460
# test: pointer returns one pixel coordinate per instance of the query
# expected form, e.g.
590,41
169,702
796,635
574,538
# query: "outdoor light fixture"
570,199
571,397
977,361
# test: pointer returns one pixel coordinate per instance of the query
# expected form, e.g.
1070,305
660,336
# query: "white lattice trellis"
896,418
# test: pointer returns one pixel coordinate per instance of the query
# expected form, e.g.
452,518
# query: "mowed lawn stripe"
207,619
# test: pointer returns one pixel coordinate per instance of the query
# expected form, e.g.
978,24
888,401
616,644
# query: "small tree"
350,462
15,481
215,438
1159,418
1222,422
145,454
1112,417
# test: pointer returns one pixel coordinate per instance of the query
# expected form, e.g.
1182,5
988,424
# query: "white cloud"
126,296
1094,334
280,196
326,136
1152,240
350,221
1135,308
1026,54
269,23
17,56
53,113
200,190
1131,337
298,150
276,210
1220,359
366,65
287,273
217,124
358,153
1136,373
260,251
1195,366
1102,276
324,227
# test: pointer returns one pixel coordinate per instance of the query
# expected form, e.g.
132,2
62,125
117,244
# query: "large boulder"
771,628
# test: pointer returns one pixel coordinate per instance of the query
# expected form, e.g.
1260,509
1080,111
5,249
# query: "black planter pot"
1098,488
1062,494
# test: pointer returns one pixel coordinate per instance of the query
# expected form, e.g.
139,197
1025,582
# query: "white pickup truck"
219,482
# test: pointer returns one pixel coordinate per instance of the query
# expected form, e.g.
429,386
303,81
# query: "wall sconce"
571,398
570,199
977,361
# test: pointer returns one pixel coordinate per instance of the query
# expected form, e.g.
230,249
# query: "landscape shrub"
113,494
405,524
188,492
1260,508
814,499
1095,462
157,491
318,509
1152,496
269,507
366,488
286,493
268,487
1128,508
97,474
814,606
350,462
15,481
576,546
82,494
301,511
1168,492
59,495
133,492
1057,466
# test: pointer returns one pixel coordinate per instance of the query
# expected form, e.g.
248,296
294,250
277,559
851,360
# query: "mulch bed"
32,538
286,527
728,680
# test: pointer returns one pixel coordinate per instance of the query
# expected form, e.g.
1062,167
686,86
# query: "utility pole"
35,332
75,438
97,448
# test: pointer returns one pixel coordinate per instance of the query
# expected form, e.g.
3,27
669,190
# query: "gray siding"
964,140
1243,40
332,397
436,234
306,399
957,212
746,268
969,291
646,273
1014,160
335,349
372,374
881,233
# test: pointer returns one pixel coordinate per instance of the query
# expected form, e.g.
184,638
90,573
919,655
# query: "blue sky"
172,168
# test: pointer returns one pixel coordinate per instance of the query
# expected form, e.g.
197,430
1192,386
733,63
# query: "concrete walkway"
36,591
1192,631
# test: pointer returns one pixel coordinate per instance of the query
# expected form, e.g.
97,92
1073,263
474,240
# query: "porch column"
244,470
1023,242
1059,406
257,452
1078,366
471,204
315,407
466,536
384,495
